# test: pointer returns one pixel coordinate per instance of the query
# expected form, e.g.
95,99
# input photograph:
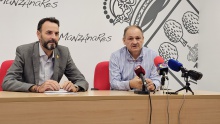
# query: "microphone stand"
143,91
187,86
163,79
162,83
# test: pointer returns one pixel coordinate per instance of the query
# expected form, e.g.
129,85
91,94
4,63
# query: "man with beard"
39,66
123,62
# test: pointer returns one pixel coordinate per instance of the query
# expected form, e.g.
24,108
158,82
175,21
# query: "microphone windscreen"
139,70
174,65
195,75
158,60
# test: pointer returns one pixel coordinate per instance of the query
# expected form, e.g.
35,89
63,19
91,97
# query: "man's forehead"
50,28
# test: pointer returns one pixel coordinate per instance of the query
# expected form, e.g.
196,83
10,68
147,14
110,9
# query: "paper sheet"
61,91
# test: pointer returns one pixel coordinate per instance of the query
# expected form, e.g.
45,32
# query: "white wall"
209,44
18,26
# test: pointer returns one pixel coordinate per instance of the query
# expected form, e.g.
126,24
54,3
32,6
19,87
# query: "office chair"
101,76
4,67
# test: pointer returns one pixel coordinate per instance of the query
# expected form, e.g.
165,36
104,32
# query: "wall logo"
133,12
119,11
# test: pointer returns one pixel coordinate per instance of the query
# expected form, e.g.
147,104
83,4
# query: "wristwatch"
76,86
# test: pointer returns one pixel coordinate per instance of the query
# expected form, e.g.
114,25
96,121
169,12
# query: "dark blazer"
24,72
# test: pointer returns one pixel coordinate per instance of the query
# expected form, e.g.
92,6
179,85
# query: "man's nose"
134,41
53,35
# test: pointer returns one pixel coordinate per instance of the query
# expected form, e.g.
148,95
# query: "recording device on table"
162,69
140,72
186,74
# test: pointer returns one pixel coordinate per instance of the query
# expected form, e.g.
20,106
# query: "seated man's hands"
49,85
69,86
150,85
137,83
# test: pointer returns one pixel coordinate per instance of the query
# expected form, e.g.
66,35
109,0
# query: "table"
108,107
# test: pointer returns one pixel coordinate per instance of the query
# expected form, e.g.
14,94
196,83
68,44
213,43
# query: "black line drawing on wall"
191,22
120,10
193,53
126,8
174,32
170,20
168,51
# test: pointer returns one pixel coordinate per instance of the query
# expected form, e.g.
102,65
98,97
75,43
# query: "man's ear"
123,39
38,34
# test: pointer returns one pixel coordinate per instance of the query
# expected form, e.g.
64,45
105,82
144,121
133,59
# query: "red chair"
4,67
101,76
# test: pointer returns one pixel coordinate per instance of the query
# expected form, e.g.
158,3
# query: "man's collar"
130,58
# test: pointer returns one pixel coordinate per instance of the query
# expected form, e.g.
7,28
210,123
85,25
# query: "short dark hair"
125,30
50,19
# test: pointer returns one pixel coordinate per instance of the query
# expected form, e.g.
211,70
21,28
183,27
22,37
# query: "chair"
101,76
4,67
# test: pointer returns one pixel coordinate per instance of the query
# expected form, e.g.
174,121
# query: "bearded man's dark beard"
52,46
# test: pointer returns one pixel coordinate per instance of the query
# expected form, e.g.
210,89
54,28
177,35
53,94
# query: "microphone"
177,66
162,68
195,75
140,72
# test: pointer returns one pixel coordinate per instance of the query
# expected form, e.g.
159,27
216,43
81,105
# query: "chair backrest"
101,76
4,67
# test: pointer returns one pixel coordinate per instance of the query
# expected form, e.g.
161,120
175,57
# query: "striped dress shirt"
122,64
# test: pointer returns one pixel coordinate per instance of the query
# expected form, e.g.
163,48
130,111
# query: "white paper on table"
61,91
